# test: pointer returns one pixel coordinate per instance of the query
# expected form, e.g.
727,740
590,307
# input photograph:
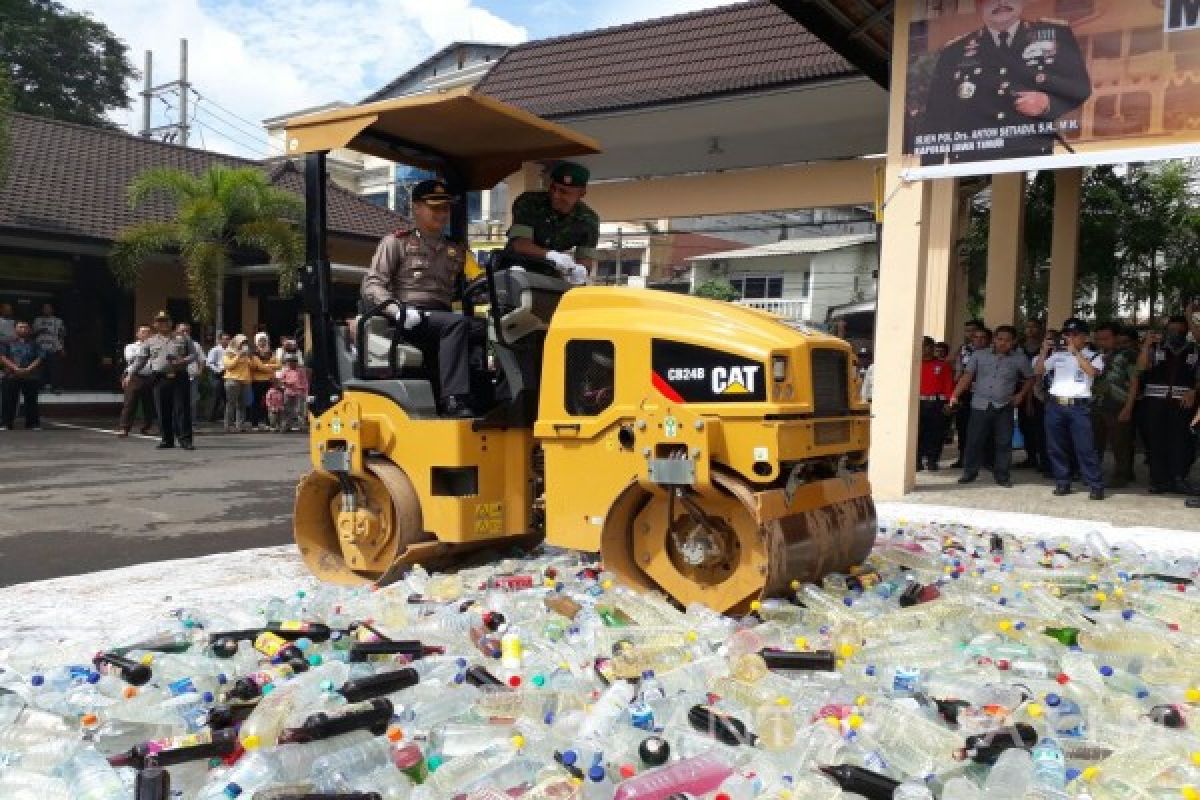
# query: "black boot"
456,407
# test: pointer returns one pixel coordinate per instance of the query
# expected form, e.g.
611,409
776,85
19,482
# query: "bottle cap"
654,751
251,742
596,773
233,790
627,771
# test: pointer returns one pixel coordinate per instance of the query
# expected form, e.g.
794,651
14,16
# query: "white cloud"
263,59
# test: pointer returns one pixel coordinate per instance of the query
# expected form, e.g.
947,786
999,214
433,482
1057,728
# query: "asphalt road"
74,501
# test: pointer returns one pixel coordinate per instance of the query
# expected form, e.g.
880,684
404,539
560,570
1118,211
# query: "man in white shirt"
216,368
51,333
138,387
1072,366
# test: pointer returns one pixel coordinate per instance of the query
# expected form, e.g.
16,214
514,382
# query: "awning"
484,139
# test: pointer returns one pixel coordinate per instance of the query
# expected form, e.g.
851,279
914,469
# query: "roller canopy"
481,138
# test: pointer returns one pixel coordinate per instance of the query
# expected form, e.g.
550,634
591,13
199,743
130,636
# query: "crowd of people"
170,380
1067,397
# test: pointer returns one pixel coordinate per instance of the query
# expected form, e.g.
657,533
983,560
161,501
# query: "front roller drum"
357,543
738,545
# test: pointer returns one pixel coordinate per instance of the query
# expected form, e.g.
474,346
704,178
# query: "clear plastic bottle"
602,717
17,713
91,778
19,784
253,771
453,774
330,772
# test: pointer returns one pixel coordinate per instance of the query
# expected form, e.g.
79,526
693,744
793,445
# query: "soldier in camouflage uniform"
549,224
416,270
999,91
1115,392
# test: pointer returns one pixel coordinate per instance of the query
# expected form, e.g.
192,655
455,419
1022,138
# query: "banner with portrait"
1014,85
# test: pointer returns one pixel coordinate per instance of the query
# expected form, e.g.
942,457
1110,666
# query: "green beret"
568,173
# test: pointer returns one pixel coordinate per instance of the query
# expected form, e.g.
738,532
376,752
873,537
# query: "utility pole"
171,131
620,255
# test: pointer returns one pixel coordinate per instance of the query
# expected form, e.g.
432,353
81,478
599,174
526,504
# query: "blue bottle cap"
303,643
647,674
461,663
208,697
1127,614
37,680
232,790
1142,694
848,601
93,677
1073,773
596,774
870,670
548,719
569,757
1053,700
222,679
1106,671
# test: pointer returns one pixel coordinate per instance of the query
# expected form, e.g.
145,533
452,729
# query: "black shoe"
1184,486
457,408
1096,494
1062,491
957,464
1005,484
968,478
164,446
1192,502
932,466
187,446
1155,489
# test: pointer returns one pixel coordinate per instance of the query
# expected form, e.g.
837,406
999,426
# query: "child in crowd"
294,380
275,404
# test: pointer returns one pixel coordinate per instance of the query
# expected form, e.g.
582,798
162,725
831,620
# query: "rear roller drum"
728,549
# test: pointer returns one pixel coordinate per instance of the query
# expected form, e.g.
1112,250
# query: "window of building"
377,198
590,377
806,287
758,287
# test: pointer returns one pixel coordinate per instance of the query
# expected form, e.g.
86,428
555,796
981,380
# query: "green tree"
221,216
5,107
717,290
1155,233
63,64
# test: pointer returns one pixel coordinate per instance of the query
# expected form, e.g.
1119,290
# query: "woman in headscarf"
263,367
237,377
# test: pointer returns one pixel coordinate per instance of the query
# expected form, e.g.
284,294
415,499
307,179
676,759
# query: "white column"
901,309
942,258
1064,248
1006,245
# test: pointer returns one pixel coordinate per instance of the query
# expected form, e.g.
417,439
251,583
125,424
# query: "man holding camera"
1169,371
168,354
1072,366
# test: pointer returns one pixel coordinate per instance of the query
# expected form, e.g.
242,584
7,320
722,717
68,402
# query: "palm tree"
218,213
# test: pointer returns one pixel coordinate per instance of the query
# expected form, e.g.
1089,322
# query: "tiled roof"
71,179
742,47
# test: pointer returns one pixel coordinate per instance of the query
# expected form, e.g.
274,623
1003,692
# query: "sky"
254,59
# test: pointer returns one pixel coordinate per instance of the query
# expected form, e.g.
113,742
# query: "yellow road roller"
704,449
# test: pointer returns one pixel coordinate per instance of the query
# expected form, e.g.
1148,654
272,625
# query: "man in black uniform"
1168,374
417,269
999,91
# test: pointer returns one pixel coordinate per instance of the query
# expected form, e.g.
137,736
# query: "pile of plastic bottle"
955,664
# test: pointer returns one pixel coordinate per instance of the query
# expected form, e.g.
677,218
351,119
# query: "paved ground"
75,501
1032,494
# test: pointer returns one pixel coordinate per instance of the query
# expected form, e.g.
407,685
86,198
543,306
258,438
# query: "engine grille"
830,382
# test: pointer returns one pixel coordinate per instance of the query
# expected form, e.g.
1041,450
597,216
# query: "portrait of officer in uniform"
999,91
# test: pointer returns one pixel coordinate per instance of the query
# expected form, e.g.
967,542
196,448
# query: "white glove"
561,260
577,275
408,317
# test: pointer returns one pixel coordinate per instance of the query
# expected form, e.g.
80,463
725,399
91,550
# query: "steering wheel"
475,293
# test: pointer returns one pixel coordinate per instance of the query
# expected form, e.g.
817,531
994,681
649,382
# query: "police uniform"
167,356
973,93
534,218
1172,374
1069,415
422,272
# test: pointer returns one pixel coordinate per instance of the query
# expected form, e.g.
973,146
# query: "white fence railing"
788,309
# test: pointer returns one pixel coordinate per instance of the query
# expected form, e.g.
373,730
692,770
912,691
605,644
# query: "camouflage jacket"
534,218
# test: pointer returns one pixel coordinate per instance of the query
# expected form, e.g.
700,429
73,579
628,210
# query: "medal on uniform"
966,90
1040,77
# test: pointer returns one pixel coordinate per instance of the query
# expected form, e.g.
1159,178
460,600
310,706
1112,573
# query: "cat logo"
734,380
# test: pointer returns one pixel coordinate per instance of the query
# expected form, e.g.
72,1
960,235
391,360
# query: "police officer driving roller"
417,269
998,91
549,224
